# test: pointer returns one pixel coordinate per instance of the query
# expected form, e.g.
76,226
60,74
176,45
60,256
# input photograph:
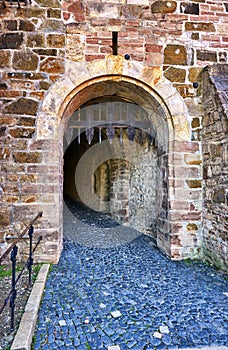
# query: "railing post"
30,259
13,289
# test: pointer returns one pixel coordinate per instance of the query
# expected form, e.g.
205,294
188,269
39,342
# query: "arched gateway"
175,219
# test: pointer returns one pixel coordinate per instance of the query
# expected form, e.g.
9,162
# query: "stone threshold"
24,335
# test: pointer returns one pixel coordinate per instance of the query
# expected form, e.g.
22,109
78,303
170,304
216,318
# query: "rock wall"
215,168
52,50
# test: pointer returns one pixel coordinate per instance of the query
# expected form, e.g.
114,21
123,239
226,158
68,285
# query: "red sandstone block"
9,94
103,35
210,38
223,20
198,19
207,13
176,18
185,146
98,41
43,169
66,15
177,183
218,8
115,22
138,57
79,17
92,49
187,172
76,8
130,24
179,205
178,216
204,7
176,227
94,57
98,22
219,14
106,50
175,239
219,45
225,38
154,48
154,59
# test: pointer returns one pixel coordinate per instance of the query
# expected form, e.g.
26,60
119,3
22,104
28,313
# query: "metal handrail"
4,255
14,249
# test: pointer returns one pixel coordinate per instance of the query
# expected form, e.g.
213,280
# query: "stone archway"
142,85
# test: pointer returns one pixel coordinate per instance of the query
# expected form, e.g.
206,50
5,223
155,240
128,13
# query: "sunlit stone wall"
51,50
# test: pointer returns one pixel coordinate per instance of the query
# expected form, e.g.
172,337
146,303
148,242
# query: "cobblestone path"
113,287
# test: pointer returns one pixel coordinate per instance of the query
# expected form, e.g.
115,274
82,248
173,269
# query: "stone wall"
51,53
215,168
32,52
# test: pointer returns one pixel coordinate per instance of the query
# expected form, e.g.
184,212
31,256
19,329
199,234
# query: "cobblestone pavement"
113,287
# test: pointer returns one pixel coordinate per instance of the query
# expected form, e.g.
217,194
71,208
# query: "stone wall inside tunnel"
128,189
215,167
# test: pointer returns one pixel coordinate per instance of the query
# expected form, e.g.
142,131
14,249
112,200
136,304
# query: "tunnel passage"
112,163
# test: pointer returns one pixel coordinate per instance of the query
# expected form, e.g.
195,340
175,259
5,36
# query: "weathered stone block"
52,25
175,74
27,121
22,106
131,12
189,8
52,65
45,52
194,183
10,25
25,60
102,10
54,13
56,40
163,6
4,217
2,131
5,59
35,40
24,157
184,146
22,132
195,74
11,41
48,3
219,196
192,227
26,26
193,159
195,123
175,55
199,27
206,56
4,151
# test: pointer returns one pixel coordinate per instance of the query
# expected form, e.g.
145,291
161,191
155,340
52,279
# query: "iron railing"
13,249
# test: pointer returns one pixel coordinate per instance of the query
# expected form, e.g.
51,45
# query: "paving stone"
185,305
157,335
164,329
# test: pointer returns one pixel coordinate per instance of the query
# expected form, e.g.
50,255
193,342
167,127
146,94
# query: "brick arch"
143,85
67,94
